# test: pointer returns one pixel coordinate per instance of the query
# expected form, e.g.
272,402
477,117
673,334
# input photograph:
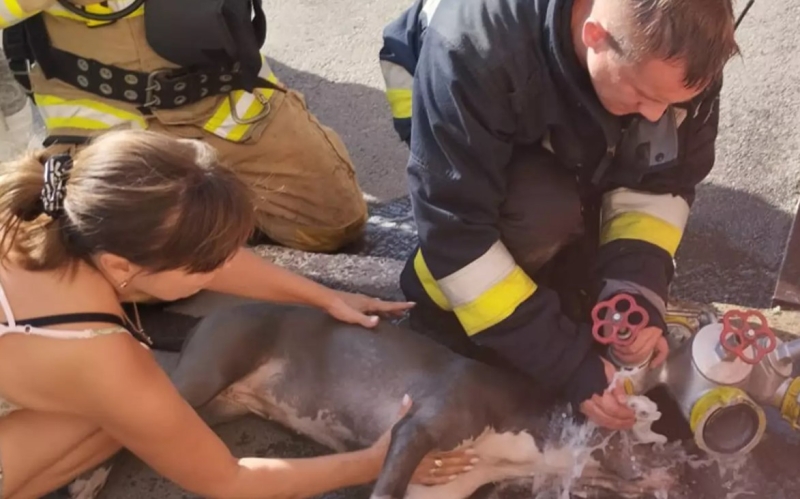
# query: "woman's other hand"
364,310
436,467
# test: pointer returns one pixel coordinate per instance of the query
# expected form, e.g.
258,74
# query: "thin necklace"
137,328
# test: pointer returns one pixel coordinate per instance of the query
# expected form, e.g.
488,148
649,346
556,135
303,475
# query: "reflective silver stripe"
469,283
671,209
395,76
11,13
614,286
84,114
247,106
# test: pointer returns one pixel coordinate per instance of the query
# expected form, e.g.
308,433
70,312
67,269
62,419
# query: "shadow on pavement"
361,116
717,264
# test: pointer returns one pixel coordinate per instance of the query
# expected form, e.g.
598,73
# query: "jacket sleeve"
15,11
643,224
463,122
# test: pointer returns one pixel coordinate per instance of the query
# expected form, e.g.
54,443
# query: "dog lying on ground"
341,386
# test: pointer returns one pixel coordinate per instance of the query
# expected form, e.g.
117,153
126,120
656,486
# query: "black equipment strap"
28,41
15,46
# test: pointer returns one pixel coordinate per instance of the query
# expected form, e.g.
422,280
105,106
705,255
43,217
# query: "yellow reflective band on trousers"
110,7
399,83
482,294
247,106
11,13
658,219
84,114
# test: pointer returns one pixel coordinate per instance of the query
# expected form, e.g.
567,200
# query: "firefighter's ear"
595,36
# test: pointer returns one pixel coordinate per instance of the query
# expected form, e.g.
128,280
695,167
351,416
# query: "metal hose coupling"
726,421
790,406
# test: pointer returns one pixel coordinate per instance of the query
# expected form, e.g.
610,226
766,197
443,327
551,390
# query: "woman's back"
46,309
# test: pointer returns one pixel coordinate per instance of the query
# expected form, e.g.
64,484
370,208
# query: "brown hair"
159,202
698,33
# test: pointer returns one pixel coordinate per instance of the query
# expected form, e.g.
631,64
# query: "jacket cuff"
587,380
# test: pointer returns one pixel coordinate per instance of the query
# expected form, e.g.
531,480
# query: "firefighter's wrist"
590,378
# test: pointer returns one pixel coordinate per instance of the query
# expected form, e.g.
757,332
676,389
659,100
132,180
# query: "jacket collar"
570,73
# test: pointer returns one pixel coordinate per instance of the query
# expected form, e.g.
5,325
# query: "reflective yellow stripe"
481,294
496,304
400,102
658,219
97,8
644,227
429,283
11,13
399,84
83,114
247,105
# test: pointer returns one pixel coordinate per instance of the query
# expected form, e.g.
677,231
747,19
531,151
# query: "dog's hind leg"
411,441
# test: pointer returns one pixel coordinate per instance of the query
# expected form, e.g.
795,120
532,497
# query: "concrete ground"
732,252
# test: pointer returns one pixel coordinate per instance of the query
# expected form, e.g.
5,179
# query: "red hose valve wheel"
736,339
613,325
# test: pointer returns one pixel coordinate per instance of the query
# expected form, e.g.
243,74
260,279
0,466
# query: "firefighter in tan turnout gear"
180,68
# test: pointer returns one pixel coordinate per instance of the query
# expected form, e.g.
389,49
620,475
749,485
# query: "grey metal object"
12,96
20,125
722,396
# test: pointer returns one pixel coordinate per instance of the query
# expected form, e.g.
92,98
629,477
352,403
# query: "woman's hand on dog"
437,467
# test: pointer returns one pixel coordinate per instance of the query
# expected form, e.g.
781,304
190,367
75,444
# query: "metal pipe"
788,352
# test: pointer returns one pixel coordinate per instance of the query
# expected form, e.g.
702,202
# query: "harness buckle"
266,107
153,86
14,65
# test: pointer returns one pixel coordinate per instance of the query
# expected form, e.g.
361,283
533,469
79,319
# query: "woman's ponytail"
25,228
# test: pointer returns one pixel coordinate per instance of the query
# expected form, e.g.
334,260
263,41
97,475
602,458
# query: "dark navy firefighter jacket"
487,75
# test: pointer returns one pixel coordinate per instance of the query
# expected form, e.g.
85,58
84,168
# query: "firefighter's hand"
649,341
610,410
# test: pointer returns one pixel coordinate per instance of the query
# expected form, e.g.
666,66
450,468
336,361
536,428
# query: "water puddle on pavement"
584,462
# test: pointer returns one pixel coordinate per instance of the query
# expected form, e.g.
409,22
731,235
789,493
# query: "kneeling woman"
135,213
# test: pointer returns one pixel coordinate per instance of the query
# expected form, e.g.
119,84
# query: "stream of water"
630,468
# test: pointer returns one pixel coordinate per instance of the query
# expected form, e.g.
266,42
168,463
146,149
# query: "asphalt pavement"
328,50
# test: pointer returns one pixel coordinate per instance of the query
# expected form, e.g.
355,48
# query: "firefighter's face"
624,87
647,88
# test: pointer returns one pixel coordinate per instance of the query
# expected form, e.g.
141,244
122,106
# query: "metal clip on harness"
114,16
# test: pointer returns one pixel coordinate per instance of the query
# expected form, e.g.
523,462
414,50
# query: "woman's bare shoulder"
37,294
67,374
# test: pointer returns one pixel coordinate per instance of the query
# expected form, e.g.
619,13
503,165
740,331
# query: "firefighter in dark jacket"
538,123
